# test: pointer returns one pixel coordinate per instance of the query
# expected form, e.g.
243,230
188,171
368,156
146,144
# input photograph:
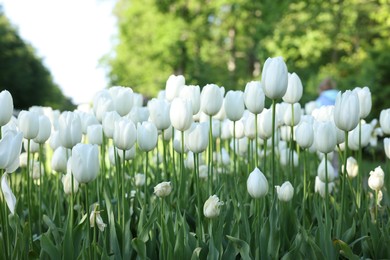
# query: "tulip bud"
70,131
147,136
7,107
257,184
129,154
234,105
95,218
274,78
108,123
139,179
67,183
198,138
10,147
181,114
239,128
304,134
365,102
325,136
264,124
28,124
191,93
294,89
102,103
211,99
159,113
352,167
384,120
346,110
386,144
163,189
288,117
285,192
44,130
254,97
9,196
321,171
249,126
85,162
125,134
138,115
211,208
59,160
122,98
376,179
319,187
87,120
138,100
173,86
353,137
95,134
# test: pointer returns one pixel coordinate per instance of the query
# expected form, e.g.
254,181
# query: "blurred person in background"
327,93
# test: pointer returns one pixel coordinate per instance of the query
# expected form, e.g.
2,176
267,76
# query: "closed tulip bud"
285,192
181,114
386,144
177,142
274,78
264,124
85,162
257,184
23,159
44,130
365,102
138,115
87,120
59,160
211,208
139,179
70,131
211,99
288,117
191,93
294,89
159,113
9,196
95,134
28,124
125,134
285,155
239,128
250,127
122,98
163,189
198,138
234,105
321,171
320,187
304,134
67,183
168,134
129,154
102,103
325,136
346,110
352,167
34,147
54,140
376,179
96,219
254,97
147,136
216,131
138,100
108,123
173,86
221,115
384,120
6,107
10,148
365,136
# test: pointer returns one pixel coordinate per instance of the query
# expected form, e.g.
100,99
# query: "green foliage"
23,74
226,42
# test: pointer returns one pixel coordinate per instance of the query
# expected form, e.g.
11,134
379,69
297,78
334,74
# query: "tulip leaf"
48,246
145,229
140,247
114,244
241,246
344,249
52,228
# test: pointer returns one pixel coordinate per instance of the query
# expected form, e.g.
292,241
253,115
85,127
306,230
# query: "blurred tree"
226,42
23,74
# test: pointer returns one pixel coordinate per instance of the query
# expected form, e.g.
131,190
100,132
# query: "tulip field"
197,173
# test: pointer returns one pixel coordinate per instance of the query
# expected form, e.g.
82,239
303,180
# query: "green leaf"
48,246
140,247
241,246
345,250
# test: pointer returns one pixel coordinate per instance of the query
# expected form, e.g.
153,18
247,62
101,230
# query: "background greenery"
226,42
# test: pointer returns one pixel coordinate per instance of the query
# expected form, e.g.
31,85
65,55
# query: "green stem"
146,176
198,194
40,186
376,207
291,157
256,143
58,200
343,187
210,155
273,146
164,155
265,156
359,176
326,193
87,242
182,170
117,183
29,192
3,216
123,190
304,189
162,221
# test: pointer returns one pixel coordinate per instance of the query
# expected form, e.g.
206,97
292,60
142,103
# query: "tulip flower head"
95,134
376,179
285,192
85,162
321,171
294,89
125,134
191,93
211,208
274,78
70,130
384,120
122,98
211,99
28,124
234,105
346,110
181,114
147,136
257,184
198,138
365,102
10,147
159,113
254,97
6,107
173,86
95,218
163,189
386,144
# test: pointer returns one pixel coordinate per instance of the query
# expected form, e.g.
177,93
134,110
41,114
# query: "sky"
70,36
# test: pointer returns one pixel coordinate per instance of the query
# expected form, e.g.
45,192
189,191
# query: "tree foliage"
23,74
226,42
